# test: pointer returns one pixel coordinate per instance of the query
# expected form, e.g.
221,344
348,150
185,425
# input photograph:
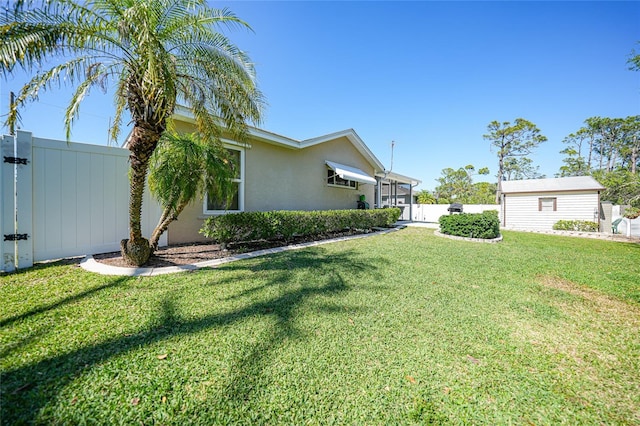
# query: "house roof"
392,176
184,114
576,183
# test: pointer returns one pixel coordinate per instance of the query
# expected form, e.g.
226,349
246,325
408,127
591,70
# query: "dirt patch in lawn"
187,254
602,304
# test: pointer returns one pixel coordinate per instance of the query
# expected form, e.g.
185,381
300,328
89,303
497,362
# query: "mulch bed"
186,254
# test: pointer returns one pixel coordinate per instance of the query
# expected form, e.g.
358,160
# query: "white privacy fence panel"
79,197
16,212
432,212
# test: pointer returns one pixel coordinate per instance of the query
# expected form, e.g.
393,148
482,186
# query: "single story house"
540,203
72,198
280,173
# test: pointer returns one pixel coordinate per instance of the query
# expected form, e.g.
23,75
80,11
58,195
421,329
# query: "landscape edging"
91,265
475,240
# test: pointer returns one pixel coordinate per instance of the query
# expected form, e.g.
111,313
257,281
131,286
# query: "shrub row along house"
72,199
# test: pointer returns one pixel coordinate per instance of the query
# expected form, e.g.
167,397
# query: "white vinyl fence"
627,227
432,212
63,199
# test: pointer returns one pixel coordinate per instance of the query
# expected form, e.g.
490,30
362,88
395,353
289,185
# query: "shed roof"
575,183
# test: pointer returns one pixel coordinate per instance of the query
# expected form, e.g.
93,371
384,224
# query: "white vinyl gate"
62,199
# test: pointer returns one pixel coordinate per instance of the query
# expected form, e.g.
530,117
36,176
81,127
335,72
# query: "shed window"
549,204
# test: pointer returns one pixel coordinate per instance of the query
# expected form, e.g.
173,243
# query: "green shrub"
272,225
631,212
576,225
485,225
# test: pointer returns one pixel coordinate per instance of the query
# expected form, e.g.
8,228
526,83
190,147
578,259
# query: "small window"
547,204
213,206
334,179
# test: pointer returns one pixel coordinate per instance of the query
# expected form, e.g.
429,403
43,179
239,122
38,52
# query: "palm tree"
154,52
183,167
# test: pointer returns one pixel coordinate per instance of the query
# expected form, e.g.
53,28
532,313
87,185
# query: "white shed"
539,203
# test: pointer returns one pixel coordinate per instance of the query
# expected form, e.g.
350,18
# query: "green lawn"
394,329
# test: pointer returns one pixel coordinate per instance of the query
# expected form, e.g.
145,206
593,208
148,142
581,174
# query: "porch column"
410,202
395,195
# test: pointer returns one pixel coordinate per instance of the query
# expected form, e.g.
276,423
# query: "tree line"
606,148
512,143
609,150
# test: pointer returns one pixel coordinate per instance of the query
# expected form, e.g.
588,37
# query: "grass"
404,328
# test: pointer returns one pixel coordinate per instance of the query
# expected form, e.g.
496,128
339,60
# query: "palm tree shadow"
62,302
26,390
248,370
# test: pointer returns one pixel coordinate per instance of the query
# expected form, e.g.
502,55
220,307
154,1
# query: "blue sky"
428,75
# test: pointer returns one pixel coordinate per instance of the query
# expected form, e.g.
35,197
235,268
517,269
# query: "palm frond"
185,166
95,76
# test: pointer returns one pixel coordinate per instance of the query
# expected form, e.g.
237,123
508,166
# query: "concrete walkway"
595,235
432,225
91,265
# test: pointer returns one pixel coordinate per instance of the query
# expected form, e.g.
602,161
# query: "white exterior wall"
521,210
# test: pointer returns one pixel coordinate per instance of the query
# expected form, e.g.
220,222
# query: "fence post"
7,206
606,216
24,199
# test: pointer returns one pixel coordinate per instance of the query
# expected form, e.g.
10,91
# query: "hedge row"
484,225
576,225
272,225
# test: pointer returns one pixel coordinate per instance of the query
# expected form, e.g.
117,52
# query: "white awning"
350,173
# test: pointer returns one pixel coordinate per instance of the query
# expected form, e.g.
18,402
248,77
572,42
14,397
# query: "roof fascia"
355,140
182,113
399,178
549,191
590,185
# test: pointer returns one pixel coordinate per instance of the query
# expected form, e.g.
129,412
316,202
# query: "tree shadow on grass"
26,390
64,301
315,260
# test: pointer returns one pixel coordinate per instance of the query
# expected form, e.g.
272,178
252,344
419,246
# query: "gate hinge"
15,237
16,160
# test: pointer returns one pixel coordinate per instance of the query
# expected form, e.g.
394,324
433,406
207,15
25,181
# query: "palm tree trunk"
163,224
157,232
634,154
500,175
590,153
136,250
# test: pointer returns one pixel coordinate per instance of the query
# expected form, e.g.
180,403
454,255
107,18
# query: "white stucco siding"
522,210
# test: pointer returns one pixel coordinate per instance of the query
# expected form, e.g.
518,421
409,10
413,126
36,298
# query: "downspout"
504,209
599,209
